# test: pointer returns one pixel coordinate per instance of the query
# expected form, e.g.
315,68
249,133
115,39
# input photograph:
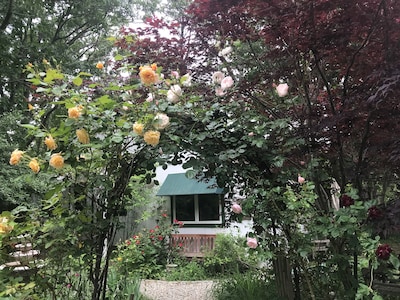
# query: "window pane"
184,206
209,207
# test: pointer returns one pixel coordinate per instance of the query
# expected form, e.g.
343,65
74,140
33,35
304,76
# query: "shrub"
230,255
190,271
248,285
146,253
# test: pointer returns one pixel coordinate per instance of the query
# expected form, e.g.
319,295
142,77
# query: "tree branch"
8,16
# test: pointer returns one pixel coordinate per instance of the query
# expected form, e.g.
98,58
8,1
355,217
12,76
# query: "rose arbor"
91,135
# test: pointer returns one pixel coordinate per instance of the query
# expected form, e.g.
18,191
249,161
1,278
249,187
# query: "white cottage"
201,206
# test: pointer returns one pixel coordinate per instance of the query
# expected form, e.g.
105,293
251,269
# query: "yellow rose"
50,143
16,156
83,136
34,165
56,161
99,65
138,128
147,75
30,106
74,112
152,137
4,226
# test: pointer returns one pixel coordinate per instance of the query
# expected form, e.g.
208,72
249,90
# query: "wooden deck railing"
194,245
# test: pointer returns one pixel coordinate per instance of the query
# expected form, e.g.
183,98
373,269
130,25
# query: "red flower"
179,223
157,227
383,251
151,230
374,213
164,215
346,201
128,242
180,245
160,238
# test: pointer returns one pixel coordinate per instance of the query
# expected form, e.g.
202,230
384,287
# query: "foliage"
229,256
75,283
186,271
247,134
22,188
93,155
146,253
71,32
247,285
328,56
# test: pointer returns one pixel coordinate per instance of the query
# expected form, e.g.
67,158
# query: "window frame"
197,211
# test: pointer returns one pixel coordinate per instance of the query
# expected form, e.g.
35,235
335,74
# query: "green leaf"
51,202
85,74
41,89
36,81
77,81
52,192
51,75
29,126
105,101
394,261
117,138
118,57
93,85
57,90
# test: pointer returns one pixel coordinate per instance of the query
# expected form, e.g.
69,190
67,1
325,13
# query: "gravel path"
177,290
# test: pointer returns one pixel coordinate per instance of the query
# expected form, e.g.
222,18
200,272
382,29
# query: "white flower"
227,82
282,89
225,51
174,93
160,121
186,80
150,97
217,77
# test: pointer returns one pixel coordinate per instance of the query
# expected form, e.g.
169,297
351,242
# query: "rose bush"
146,253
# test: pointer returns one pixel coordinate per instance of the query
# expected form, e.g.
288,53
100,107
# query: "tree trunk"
283,277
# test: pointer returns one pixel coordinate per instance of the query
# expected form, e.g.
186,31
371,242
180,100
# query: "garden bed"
182,290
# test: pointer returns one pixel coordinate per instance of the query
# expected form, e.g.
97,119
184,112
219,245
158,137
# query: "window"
197,209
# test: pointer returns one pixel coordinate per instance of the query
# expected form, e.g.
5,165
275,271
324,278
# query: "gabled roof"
179,184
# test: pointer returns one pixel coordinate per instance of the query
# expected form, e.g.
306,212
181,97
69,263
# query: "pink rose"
252,243
175,74
219,91
300,179
226,83
236,208
282,89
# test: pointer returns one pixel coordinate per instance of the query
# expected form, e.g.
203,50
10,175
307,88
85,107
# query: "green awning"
179,184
